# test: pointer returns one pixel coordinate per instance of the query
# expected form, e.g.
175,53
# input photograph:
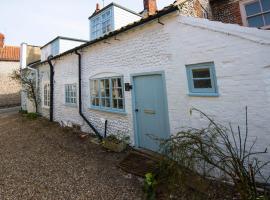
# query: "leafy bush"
217,149
32,116
150,184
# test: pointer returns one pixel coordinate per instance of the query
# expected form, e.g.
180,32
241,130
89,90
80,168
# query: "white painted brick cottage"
173,63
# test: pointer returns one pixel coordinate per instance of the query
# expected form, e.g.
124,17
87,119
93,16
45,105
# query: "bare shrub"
218,148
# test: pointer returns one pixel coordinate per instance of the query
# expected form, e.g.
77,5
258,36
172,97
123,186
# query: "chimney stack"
150,7
97,7
2,40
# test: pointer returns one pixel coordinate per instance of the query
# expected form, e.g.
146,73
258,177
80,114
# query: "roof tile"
10,53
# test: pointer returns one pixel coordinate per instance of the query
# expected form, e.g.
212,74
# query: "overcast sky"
38,21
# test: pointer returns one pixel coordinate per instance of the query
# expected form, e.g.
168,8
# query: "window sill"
70,105
46,107
108,110
203,94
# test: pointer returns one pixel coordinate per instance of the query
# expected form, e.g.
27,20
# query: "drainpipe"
80,98
51,87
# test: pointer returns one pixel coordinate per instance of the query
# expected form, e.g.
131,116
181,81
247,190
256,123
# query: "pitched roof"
10,53
166,10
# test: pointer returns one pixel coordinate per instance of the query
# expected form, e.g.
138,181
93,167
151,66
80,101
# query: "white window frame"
244,15
47,84
67,87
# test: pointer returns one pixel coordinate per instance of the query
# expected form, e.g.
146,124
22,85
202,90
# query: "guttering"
51,87
80,97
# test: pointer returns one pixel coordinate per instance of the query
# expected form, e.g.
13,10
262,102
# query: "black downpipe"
80,98
51,87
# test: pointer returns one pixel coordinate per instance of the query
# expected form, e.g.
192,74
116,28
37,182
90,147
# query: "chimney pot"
150,6
2,40
97,7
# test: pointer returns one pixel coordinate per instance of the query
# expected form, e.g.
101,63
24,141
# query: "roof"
10,53
164,11
64,38
113,4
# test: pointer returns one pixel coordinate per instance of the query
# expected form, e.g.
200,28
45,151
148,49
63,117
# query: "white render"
123,17
58,46
242,64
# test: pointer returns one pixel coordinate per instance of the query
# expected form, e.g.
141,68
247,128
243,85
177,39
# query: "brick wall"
9,89
226,11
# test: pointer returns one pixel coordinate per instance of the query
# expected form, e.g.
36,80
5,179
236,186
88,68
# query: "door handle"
136,110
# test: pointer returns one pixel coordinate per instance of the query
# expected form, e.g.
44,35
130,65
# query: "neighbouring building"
9,61
144,78
251,13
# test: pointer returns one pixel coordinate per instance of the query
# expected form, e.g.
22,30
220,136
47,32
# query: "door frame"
133,97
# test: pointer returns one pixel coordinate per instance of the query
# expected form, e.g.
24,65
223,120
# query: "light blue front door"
151,116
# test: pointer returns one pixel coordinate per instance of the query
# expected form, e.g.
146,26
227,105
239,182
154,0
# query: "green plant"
32,116
217,148
150,184
118,138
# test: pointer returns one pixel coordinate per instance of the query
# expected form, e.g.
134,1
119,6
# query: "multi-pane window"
257,13
201,79
71,93
46,95
101,24
107,93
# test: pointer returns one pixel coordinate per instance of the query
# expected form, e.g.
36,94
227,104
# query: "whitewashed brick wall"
241,57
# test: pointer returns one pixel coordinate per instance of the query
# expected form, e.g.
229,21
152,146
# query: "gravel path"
39,160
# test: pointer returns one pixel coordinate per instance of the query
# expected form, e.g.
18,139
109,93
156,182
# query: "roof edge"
117,5
161,13
64,38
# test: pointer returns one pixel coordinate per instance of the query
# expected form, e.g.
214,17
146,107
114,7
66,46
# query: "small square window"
202,79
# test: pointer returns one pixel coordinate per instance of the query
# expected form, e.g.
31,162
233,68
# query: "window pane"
117,93
102,84
115,103
120,104
265,5
107,92
255,21
267,18
108,104
97,102
206,83
94,88
201,73
102,93
103,102
107,83
253,8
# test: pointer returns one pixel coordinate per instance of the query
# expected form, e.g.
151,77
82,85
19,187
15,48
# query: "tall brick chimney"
2,40
150,7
